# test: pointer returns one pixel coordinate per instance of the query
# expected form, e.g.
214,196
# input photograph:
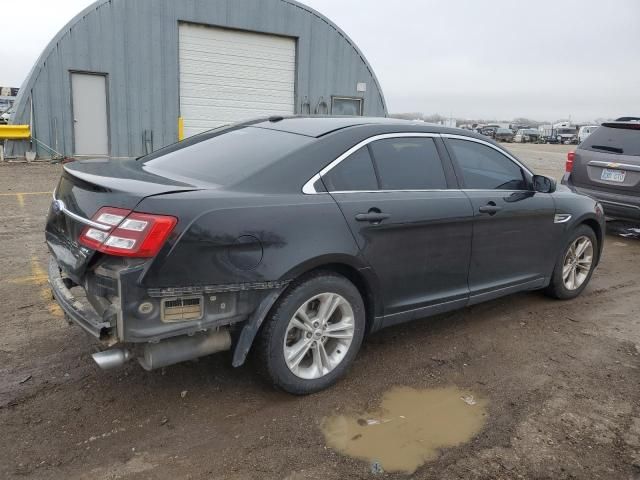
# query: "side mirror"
543,184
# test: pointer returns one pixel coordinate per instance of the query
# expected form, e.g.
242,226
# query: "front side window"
354,173
408,164
484,168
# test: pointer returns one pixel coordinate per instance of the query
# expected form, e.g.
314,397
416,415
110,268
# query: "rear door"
513,227
410,221
609,159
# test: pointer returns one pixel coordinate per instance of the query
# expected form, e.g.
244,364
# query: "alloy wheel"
577,263
319,336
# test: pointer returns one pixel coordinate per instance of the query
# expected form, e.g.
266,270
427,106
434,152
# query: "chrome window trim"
396,191
488,144
429,190
62,208
308,187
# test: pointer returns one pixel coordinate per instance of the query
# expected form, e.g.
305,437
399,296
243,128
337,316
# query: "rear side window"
408,164
226,158
485,168
354,173
622,141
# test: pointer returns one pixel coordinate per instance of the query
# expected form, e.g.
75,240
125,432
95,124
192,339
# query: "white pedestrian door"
90,117
229,76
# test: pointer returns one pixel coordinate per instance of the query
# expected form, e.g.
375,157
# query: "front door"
412,229
90,117
513,228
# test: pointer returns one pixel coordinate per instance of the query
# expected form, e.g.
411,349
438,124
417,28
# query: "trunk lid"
83,189
622,171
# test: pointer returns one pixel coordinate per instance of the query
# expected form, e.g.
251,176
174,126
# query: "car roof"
319,126
630,124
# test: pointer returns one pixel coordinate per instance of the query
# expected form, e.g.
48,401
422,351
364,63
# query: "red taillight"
129,234
571,156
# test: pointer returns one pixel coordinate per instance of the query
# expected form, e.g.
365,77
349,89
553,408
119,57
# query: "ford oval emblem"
57,206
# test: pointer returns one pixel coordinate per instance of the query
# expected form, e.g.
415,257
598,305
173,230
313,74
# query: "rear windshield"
613,140
227,157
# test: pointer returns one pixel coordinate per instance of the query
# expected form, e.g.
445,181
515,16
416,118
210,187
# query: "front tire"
575,265
312,335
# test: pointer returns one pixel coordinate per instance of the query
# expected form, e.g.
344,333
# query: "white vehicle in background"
527,135
585,131
565,133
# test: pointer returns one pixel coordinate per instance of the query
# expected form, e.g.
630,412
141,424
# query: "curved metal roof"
91,9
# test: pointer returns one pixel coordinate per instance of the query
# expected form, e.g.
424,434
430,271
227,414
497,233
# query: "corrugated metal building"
126,77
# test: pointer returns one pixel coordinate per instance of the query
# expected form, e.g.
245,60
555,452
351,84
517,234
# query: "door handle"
374,216
491,208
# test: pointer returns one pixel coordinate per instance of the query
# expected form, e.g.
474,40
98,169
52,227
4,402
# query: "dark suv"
606,166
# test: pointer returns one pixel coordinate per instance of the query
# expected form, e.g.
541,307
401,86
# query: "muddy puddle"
409,428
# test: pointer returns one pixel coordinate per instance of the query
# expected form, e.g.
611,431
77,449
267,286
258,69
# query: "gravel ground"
561,381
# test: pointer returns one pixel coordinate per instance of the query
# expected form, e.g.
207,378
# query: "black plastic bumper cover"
84,316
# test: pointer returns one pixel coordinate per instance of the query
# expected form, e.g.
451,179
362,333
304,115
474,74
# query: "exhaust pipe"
181,349
110,359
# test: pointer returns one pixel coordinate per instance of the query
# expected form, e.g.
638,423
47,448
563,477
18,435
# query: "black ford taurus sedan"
292,238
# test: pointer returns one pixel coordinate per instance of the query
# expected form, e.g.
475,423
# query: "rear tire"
575,265
312,334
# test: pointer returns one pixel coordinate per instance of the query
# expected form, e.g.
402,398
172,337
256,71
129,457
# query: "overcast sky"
544,59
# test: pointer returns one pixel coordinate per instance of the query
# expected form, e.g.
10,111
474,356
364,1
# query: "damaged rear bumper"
112,312
81,314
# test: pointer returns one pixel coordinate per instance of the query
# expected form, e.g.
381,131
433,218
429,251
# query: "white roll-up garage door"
228,76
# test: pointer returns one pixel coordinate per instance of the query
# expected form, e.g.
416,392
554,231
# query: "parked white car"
527,135
585,131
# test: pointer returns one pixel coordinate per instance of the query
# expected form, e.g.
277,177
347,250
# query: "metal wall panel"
135,42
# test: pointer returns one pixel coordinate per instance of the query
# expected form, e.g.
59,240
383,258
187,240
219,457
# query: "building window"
348,106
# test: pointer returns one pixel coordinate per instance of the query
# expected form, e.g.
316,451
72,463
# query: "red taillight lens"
130,234
571,156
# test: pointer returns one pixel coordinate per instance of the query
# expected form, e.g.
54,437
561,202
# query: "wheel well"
595,226
355,277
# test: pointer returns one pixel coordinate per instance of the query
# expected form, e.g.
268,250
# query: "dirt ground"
561,380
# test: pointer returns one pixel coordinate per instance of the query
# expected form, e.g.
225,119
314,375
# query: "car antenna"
276,118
